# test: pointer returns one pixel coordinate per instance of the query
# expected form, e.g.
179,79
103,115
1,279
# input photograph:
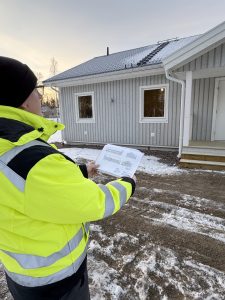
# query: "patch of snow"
186,219
155,269
103,280
149,164
56,137
188,200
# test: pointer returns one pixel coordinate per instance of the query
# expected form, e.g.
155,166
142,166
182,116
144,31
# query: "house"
170,94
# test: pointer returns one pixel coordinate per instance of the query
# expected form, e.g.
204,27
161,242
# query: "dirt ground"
173,239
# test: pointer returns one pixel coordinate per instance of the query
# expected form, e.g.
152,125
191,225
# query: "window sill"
85,121
153,120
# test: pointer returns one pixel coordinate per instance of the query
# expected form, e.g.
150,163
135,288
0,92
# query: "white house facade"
171,94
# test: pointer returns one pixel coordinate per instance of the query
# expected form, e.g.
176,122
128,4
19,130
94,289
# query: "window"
85,107
154,104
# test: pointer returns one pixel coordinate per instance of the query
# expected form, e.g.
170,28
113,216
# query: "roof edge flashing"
111,76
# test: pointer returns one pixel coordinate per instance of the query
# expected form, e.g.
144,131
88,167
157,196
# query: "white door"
220,112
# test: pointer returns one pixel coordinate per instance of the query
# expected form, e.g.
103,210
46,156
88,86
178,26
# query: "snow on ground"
186,219
151,266
127,265
149,164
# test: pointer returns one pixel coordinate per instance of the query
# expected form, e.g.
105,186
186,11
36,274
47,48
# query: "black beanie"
17,82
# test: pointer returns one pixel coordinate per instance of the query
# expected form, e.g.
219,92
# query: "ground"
167,242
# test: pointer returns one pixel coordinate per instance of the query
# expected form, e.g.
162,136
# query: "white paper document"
119,161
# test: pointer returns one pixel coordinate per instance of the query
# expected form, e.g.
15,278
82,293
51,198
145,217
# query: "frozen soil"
167,242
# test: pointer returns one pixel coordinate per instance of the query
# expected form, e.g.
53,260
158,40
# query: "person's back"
46,200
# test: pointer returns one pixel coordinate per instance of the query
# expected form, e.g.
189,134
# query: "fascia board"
197,47
104,77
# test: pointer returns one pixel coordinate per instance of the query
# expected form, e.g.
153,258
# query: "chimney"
107,51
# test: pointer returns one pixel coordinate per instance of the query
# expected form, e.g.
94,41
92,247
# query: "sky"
74,31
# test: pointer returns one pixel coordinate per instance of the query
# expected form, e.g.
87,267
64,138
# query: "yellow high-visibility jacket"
46,202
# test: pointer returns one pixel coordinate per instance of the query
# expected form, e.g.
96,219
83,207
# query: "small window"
85,107
154,104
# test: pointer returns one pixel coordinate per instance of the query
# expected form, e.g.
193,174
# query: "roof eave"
204,43
109,76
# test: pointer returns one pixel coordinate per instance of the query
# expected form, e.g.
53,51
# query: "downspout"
57,92
182,82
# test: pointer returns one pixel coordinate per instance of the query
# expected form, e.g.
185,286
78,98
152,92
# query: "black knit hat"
17,82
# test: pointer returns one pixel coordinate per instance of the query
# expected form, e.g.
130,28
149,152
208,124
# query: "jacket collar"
18,127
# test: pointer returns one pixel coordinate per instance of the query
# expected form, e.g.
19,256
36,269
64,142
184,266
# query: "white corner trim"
187,131
143,119
83,120
206,41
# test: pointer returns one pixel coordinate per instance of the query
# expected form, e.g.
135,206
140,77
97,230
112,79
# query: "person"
46,199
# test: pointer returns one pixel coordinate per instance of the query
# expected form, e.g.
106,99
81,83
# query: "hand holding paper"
92,169
119,161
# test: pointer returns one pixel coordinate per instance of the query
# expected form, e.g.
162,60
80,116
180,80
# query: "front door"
220,112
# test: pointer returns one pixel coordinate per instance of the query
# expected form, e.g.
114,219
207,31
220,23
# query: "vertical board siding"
203,92
118,121
215,58
202,108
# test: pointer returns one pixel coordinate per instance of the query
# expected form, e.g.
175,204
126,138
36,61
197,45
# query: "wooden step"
202,164
210,151
201,157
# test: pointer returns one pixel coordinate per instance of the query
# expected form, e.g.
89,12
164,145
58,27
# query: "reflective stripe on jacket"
46,202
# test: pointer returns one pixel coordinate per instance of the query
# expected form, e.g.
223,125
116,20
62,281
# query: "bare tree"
53,71
53,67
39,77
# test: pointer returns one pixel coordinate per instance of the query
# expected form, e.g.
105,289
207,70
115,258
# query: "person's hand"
92,169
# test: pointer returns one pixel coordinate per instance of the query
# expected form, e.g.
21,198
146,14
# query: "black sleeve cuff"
131,181
84,171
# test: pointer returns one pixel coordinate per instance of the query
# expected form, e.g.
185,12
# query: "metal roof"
144,56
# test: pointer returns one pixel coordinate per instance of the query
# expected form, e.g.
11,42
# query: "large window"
85,107
153,104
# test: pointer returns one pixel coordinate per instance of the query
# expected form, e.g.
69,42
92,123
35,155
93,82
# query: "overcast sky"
74,31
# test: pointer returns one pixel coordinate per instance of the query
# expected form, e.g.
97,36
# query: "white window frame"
163,119
84,120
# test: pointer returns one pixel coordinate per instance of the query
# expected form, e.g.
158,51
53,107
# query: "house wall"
203,92
118,122
212,59
202,108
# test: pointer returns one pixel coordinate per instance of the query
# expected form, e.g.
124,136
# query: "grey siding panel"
215,58
117,121
202,109
203,92
223,55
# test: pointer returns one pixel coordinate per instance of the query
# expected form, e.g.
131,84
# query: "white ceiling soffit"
201,45
110,76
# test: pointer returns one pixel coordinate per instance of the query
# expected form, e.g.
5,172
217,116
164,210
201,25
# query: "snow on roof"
122,60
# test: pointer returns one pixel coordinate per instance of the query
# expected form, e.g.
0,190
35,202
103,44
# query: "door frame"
215,102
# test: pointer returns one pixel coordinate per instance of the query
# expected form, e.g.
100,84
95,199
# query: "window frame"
163,119
84,120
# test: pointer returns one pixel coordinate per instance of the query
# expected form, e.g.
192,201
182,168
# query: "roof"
134,58
199,46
